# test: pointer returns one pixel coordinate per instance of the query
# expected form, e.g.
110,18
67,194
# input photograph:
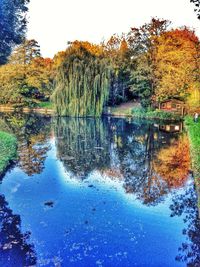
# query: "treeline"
27,77
148,64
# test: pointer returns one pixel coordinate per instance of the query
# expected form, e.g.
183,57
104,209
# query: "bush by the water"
154,114
48,105
194,136
8,150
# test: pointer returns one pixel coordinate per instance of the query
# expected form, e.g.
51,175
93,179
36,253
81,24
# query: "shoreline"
193,131
45,111
51,112
8,151
131,116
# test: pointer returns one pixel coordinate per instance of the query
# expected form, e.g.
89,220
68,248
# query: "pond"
98,192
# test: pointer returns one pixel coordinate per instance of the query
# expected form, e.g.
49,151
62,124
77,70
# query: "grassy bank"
194,137
140,113
8,150
134,110
155,115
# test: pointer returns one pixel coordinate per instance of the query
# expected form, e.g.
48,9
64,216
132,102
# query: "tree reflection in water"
82,145
149,161
15,249
32,132
185,205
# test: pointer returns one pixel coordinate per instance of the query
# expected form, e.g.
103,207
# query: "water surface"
98,192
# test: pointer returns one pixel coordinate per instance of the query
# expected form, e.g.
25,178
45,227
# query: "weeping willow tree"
82,82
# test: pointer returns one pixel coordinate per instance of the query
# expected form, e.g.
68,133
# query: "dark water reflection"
15,250
32,133
148,160
145,163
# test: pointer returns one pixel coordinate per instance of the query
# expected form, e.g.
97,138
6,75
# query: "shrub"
154,114
8,150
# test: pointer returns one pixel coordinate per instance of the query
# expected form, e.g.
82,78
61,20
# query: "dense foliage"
27,77
177,65
154,114
117,52
12,25
8,150
193,130
149,64
143,44
82,82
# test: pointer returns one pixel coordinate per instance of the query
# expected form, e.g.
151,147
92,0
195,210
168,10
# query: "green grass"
193,129
48,105
8,150
154,114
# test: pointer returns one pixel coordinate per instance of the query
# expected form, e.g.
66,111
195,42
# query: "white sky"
54,22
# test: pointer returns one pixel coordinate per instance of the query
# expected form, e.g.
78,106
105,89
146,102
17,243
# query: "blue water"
83,194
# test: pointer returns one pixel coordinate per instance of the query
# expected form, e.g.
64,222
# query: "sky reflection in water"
98,192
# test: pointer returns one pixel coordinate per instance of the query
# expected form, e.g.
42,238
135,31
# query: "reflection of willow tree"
14,247
185,205
32,132
82,144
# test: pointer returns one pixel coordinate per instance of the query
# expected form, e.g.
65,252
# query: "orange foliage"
174,162
176,63
77,47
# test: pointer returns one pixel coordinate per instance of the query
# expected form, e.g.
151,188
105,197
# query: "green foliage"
8,150
143,46
27,77
194,137
48,105
117,51
82,83
154,114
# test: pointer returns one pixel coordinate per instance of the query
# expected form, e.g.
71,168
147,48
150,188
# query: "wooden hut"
173,105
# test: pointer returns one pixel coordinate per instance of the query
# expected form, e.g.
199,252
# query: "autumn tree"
27,76
25,53
177,60
117,51
12,25
143,45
